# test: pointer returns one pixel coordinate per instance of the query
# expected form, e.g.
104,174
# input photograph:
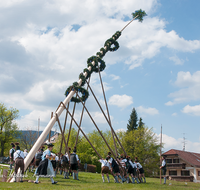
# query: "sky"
44,46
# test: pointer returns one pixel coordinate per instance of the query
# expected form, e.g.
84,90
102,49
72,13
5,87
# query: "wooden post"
5,175
160,155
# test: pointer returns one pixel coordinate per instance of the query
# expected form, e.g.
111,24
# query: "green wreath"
88,73
116,35
83,78
102,65
111,42
83,91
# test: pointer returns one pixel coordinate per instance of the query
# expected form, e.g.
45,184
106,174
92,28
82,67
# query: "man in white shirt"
65,165
11,153
164,170
105,167
74,163
19,161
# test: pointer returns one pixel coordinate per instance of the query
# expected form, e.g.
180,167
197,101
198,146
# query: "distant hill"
34,134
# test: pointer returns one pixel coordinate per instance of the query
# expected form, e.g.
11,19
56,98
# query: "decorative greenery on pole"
110,45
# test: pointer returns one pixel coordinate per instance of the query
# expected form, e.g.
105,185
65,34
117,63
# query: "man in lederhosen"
65,164
164,170
11,153
74,163
141,171
105,167
19,161
114,168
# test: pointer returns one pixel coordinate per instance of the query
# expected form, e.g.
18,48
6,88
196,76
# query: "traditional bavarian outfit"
65,165
19,162
114,168
105,167
11,153
164,169
74,162
132,171
45,168
141,170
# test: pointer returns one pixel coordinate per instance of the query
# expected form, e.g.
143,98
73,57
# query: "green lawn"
94,182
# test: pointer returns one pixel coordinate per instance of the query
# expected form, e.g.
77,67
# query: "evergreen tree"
132,122
140,123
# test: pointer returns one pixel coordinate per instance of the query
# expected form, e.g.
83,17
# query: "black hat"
50,145
17,144
12,144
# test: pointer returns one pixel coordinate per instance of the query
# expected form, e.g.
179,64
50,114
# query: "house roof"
190,157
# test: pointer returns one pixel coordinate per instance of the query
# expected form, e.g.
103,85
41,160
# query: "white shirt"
57,158
133,164
66,155
110,160
18,153
123,163
104,163
12,150
163,163
139,166
25,154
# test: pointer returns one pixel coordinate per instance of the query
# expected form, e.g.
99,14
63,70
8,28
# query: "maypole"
93,66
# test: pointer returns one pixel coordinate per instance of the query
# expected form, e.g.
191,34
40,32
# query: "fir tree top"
139,14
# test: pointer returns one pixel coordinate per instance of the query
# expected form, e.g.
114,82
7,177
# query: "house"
183,165
53,138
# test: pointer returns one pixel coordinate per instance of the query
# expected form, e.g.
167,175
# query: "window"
198,173
172,172
185,173
169,161
176,160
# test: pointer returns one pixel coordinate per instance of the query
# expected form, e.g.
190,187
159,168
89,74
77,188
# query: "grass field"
94,182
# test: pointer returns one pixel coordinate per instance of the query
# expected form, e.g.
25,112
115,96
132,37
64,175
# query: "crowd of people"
120,168
48,164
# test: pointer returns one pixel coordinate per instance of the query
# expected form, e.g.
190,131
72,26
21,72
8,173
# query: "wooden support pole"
107,111
84,134
70,127
107,119
64,131
81,118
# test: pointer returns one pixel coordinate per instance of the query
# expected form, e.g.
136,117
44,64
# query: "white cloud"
176,60
174,114
172,143
149,111
121,101
114,77
120,130
190,88
194,110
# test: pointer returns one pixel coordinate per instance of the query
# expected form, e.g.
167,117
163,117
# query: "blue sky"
45,45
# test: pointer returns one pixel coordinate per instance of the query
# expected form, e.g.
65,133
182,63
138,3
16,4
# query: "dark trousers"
19,163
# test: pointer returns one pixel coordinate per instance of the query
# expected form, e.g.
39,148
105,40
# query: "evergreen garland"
110,45
80,89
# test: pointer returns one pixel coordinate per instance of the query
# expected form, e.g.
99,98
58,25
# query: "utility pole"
184,141
38,127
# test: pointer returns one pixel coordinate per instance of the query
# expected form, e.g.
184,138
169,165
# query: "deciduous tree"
8,129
